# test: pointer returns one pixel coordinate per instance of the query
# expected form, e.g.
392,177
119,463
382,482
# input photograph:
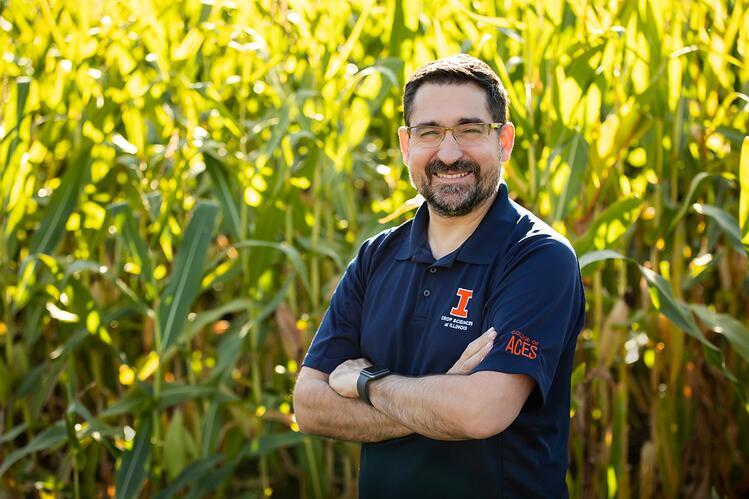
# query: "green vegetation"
183,183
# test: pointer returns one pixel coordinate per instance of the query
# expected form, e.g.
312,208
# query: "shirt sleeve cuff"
537,398
323,364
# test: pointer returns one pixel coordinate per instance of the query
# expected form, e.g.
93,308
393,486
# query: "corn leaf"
734,331
50,438
726,222
184,282
132,471
744,194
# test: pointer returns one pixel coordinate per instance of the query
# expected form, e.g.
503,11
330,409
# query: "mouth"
452,175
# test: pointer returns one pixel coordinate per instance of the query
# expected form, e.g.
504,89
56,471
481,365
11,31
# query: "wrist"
367,376
376,388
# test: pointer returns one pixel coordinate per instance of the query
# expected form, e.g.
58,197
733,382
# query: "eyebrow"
461,121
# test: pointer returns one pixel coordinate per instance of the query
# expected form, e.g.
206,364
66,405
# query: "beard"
454,200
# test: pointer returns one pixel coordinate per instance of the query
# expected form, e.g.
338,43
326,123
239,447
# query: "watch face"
374,372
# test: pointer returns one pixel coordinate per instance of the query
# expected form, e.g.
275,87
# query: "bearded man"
449,342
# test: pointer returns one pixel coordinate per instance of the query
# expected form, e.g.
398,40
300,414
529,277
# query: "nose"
449,151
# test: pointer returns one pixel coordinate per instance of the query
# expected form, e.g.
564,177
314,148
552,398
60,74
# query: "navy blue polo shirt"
400,308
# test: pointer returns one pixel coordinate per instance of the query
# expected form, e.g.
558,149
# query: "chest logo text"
459,313
461,309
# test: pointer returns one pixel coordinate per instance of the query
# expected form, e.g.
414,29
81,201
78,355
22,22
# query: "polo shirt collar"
417,237
480,247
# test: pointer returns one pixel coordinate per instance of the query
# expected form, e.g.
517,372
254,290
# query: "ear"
403,140
506,138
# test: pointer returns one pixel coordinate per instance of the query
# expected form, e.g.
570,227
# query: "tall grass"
183,183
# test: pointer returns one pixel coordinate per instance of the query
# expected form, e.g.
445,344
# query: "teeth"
456,175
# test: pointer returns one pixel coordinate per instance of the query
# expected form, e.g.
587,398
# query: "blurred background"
183,183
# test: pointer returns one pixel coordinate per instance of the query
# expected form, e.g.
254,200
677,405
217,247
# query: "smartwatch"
365,376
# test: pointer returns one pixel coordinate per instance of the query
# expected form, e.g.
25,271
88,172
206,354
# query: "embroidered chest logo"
463,296
459,313
522,346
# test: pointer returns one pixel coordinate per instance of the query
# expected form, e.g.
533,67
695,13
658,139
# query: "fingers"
474,353
476,358
479,343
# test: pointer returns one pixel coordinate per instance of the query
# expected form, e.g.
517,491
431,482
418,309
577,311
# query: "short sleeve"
537,308
337,338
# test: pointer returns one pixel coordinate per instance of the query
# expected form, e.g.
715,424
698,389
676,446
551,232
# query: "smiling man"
449,342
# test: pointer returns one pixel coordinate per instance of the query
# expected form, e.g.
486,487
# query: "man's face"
454,178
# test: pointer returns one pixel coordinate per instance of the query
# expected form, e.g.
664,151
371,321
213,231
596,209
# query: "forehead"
448,104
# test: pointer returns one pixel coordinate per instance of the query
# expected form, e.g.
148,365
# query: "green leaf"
61,205
210,428
575,155
661,295
202,319
291,253
597,256
696,181
11,434
193,473
47,439
726,222
134,401
744,195
94,423
132,471
5,380
578,375
610,225
22,93
184,282
228,201
174,445
41,392
227,353
30,381
734,331
333,251
189,46
269,442
671,307
122,215
173,394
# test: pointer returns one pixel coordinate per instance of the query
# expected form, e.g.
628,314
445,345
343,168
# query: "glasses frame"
492,126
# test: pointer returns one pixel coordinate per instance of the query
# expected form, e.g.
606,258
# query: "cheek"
418,163
488,160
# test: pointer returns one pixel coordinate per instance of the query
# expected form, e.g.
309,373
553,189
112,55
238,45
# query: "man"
444,410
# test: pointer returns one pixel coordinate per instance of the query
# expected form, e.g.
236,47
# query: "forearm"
437,407
321,411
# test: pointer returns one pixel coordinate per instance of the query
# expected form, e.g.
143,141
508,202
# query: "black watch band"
365,376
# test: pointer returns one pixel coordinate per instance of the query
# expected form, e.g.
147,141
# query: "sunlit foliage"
183,183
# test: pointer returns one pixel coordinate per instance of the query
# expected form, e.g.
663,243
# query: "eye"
472,129
427,132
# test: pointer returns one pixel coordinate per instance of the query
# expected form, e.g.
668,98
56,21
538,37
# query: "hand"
474,353
344,377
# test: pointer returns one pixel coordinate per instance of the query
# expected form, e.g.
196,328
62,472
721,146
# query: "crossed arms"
453,406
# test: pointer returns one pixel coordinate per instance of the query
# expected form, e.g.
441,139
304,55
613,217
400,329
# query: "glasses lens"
427,134
470,133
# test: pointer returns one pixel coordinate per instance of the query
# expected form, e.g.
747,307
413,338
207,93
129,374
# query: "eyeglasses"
466,134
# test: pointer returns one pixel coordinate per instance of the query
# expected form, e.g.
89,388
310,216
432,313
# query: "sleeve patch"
521,345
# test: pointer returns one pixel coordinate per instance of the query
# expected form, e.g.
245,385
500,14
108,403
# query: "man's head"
458,169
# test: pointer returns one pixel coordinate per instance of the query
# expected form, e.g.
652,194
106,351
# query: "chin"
455,209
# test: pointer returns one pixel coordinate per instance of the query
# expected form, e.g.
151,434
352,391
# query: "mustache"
460,166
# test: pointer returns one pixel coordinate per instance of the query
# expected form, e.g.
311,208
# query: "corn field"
183,183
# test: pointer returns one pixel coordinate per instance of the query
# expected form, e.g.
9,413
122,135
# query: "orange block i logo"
461,310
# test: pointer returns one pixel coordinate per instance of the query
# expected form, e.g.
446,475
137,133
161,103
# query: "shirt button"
427,292
433,270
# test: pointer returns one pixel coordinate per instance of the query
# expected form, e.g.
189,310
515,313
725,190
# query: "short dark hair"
457,69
